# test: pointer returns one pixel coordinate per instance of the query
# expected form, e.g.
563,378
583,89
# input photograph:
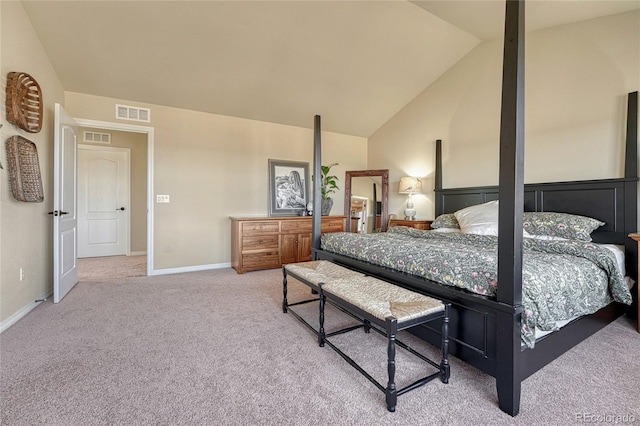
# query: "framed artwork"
288,187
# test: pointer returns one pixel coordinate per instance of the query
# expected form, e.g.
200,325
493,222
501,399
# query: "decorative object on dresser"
288,187
265,243
24,170
410,185
328,186
414,223
24,102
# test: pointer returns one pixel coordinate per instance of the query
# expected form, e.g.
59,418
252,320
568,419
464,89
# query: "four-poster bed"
486,331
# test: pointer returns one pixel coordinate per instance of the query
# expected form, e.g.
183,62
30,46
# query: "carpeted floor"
108,267
214,348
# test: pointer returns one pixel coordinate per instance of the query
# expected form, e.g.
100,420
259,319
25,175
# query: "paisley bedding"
560,279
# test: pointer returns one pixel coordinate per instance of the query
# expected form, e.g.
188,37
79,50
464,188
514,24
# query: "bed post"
631,185
317,182
438,178
511,195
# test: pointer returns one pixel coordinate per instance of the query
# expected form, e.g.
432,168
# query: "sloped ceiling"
356,63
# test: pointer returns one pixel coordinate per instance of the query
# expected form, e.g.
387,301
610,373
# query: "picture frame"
288,187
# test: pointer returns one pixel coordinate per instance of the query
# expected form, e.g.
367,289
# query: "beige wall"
26,228
137,144
213,167
577,78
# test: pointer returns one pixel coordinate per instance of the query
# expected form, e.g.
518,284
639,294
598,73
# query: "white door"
103,201
65,220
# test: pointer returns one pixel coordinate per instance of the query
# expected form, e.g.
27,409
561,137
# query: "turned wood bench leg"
284,290
321,333
391,391
444,364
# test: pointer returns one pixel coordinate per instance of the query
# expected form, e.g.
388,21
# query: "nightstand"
637,238
417,223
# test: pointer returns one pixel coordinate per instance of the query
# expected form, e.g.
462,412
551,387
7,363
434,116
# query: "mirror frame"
384,215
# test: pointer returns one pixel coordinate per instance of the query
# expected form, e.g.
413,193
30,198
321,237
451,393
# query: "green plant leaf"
329,182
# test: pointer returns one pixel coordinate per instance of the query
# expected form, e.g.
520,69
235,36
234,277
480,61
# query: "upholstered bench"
313,274
392,308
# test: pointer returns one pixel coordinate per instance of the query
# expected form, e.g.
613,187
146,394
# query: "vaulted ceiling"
356,63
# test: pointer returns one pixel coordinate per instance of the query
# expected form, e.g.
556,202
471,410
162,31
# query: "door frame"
127,214
134,128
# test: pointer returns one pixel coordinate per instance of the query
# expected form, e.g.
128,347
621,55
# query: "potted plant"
328,186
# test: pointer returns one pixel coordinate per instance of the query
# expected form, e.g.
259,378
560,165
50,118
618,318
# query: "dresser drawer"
258,242
333,225
260,227
296,225
264,260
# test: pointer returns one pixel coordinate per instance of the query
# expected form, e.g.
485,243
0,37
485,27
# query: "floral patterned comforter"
560,279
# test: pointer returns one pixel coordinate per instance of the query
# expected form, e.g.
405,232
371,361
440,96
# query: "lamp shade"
410,185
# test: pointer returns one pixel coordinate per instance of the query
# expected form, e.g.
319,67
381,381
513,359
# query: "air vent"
130,113
97,137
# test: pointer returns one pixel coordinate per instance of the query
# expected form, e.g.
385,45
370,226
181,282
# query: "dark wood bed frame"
485,332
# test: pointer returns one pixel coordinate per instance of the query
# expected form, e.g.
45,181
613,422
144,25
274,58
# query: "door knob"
121,208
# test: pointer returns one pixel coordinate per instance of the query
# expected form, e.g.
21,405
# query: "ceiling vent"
96,137
124,112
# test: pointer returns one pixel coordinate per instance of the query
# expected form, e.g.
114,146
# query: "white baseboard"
24,311
138,253
191,269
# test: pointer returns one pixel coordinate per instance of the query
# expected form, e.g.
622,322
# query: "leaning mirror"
366,195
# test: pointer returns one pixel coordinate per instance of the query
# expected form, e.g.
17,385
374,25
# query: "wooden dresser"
416,223
270,242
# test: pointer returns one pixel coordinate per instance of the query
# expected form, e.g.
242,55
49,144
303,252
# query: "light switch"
162,198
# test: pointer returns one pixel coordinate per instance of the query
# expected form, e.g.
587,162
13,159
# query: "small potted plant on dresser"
328,186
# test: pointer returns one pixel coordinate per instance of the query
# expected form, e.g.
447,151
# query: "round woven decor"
24,102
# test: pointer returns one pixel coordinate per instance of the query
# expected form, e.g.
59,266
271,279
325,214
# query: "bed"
486,329
562,278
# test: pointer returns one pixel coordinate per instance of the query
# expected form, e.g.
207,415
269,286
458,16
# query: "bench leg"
321,334
391,392
367,326
284,290
444,364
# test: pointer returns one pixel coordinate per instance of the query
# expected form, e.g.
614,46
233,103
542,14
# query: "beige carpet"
214,348
110,267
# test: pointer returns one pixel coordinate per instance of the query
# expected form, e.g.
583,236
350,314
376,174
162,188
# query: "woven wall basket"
24,170
24,102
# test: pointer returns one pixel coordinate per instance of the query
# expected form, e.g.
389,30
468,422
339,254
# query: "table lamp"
410,185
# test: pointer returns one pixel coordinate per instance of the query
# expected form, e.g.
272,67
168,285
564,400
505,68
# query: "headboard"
605,200
613,201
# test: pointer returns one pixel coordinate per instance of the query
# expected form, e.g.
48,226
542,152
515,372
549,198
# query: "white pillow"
481,219
447,230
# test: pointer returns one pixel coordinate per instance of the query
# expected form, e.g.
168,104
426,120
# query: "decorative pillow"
481,219
525,234
447,220
563,225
